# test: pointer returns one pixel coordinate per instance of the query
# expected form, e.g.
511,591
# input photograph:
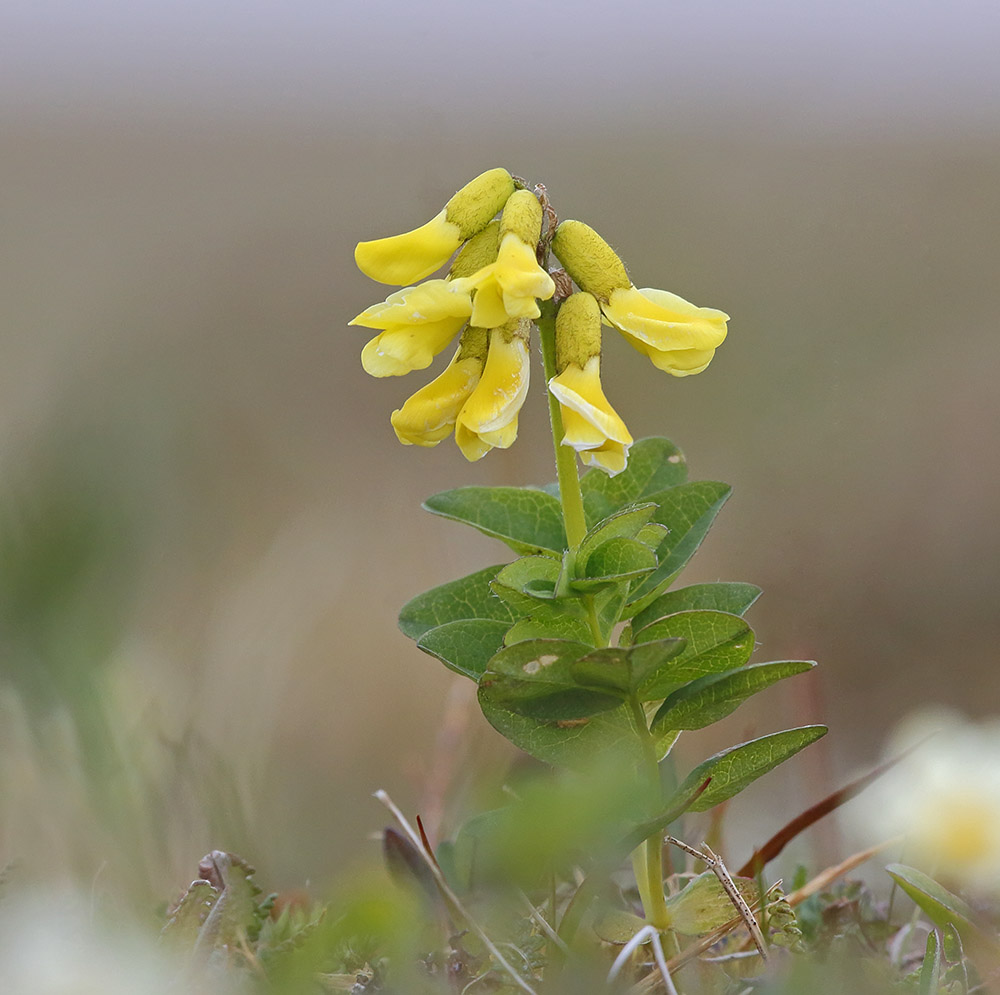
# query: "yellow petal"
488,310
411,256
428,416
426,302
588,419
612,457
489,417
677,362
501,391
665,321
401,350
509,287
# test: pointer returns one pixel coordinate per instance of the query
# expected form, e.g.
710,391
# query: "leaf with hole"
625,668
534,678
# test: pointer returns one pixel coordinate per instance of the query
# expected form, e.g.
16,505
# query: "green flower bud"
578,331
522,216
589,260
472,208
478,252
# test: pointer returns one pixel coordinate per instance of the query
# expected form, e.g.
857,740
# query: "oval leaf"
527,520
614,561
940,905
653,465
733,769
734,598
467,597
715,642
624,524
465,646
625,668
534,678
711,698
688,510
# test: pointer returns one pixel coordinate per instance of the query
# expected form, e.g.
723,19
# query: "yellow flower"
488,419
430,414
511,286
415,254
677,336
590,425
417,323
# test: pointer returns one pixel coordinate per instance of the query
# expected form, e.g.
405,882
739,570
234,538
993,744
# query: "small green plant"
585,652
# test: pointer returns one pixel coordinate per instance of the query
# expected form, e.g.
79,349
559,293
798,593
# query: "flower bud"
479,201
589,260
522,216
406,258
578,330
478,252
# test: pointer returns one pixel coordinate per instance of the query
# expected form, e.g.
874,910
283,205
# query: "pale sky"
845,59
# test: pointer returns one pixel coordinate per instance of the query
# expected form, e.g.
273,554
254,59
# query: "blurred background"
207,526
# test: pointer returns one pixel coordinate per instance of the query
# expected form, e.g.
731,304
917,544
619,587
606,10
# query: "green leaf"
534,678
688,510
653,465
534,576
715,642
465,646
713,697
527,520
930,970
188,915
733,769
234,914
940,905
626,524
548,621
625,668
616,560
467,597
574,743
734,598
703,905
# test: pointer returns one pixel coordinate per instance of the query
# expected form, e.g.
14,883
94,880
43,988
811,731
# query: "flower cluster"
494,229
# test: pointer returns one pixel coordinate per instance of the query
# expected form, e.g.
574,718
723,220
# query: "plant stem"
570,495
648,859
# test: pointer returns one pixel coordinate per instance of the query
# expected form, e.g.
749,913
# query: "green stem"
570,494
648,859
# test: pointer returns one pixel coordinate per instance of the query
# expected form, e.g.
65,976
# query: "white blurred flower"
56,945
945,797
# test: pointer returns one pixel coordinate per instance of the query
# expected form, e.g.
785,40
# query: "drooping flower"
419,322
511,286
677,336
406,258
430,414
590,425
488,419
